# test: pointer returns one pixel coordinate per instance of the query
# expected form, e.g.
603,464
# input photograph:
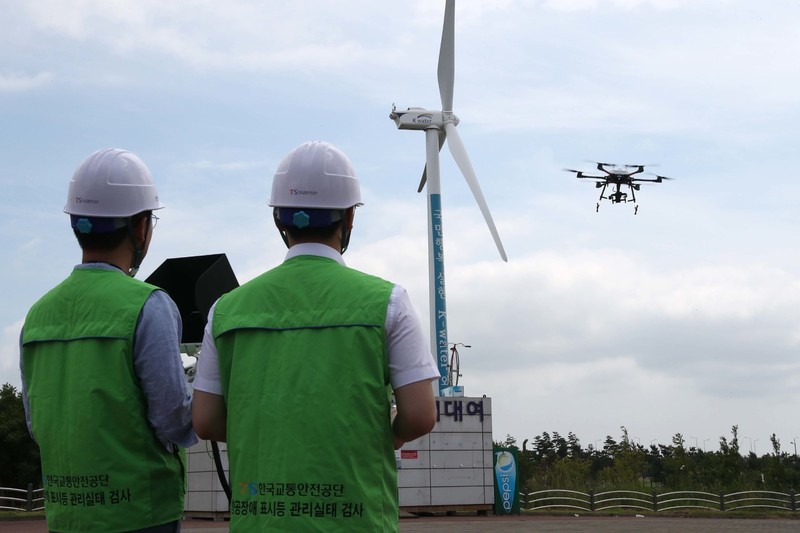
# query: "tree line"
19,454
551,461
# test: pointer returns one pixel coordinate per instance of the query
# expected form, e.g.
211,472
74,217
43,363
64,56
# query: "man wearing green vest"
103,385
298,367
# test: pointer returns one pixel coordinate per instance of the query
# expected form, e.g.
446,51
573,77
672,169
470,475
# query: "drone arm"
657,179
581,175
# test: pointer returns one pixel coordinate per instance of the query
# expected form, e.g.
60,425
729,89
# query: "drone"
619,176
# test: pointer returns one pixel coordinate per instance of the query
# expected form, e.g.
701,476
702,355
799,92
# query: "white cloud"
579,5
227,166
206,34
22,82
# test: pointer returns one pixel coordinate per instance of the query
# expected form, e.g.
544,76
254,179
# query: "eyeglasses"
154,220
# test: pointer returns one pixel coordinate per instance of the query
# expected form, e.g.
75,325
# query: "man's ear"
349,216
140,228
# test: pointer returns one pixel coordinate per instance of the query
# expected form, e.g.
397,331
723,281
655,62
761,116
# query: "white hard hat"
315,175
111,183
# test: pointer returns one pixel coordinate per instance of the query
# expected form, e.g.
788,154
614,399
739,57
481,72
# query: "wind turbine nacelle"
417,118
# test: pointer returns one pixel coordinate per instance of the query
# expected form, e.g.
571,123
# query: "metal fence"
555,499
29,499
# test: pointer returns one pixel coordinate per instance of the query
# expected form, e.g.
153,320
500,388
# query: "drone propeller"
623,166
657,178
642,165
580,174
603,167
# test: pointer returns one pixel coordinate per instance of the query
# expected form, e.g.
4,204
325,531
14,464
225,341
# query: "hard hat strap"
138,251
345,231
281,231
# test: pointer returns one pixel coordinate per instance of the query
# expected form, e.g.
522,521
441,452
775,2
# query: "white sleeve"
410,358
206,378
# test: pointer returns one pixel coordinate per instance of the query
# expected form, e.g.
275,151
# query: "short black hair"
108,241
319,233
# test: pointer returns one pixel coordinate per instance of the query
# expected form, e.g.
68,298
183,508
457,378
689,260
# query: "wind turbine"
438,127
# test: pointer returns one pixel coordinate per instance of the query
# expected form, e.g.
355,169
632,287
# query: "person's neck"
118,258
332,243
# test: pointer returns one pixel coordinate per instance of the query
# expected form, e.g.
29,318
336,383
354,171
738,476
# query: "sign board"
506,481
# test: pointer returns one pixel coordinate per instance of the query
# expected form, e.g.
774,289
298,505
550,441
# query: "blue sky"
681,319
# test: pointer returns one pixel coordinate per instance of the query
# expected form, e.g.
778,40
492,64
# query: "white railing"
29,499
554,499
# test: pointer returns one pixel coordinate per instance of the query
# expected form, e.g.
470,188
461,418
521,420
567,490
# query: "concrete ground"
538,524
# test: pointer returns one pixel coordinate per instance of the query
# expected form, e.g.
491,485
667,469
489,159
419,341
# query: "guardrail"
657,502
29,499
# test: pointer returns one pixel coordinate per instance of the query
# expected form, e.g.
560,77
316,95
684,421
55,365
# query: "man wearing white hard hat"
297,369
102,379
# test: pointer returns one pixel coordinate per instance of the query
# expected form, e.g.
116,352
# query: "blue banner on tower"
506,481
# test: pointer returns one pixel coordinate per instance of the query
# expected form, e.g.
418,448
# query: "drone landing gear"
597,209
635,209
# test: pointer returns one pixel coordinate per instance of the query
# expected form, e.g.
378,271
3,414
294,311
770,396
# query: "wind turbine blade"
442,136
424,179
447,57
462,160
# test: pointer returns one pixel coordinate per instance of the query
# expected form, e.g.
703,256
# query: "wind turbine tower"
438,127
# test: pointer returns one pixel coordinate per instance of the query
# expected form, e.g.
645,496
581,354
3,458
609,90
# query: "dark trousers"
171,527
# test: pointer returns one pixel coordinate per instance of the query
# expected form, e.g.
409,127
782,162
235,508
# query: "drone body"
618,176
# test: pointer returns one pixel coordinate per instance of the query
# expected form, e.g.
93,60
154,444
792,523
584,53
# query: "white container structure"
205,497
450,469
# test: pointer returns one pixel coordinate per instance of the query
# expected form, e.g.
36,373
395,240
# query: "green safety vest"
302,356
103,468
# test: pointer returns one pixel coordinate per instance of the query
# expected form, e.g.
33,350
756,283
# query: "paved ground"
538,524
